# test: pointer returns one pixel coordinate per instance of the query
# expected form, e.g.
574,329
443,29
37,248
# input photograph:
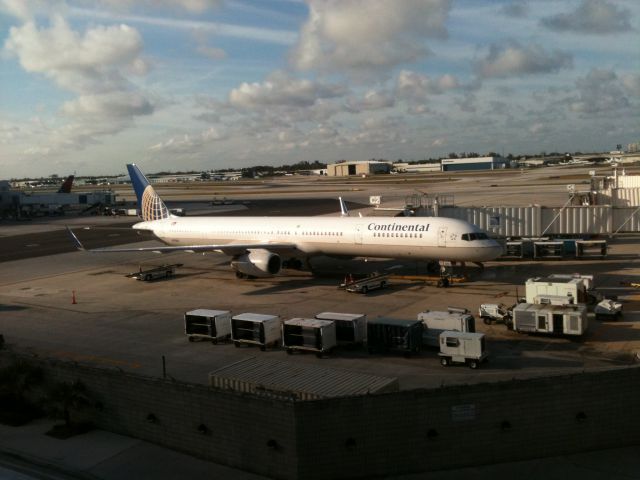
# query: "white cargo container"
572,288
255,328
436,322
309,334
462,347
550,319
214,325
351,328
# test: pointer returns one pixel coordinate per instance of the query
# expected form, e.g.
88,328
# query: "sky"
87,86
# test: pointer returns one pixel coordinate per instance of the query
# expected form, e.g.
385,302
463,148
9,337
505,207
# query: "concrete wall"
377,435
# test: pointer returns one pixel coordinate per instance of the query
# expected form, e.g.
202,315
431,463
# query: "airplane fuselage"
434,238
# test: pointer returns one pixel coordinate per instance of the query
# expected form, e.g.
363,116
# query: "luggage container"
256,329
550,319
351,328
390,334
214,325
309,334
436,322
549,249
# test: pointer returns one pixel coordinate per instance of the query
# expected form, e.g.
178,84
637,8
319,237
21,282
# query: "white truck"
436,322
462,347
550,319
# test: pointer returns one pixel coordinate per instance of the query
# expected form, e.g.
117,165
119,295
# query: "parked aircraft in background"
262,246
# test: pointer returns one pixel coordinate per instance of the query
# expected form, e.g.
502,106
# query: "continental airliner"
262,246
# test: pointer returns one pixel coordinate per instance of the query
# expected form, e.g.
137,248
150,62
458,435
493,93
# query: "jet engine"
257,263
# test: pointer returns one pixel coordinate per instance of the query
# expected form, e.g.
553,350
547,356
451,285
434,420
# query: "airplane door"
358,238
442,237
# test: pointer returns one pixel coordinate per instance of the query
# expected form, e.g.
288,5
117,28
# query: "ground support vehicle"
365,284
436,322
255,329
608,310
214,325
575,288
495,312
163,271
550,319
309,334
351,328
462,347
391,334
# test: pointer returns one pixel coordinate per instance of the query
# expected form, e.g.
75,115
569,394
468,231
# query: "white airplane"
261,246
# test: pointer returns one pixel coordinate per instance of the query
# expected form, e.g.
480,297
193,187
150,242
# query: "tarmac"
28,453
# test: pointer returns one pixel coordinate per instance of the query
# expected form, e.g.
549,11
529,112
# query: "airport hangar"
537,397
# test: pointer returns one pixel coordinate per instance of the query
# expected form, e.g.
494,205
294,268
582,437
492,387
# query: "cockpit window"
474,236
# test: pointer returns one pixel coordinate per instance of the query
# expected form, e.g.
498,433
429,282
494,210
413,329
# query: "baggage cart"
391,334
214,325
255,329
309,334
351,328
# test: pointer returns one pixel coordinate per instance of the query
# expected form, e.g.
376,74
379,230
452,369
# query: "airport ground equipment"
575,288
255,329
391,334
436,322
365,284
462,347
351,328
214,325
550,319
309,334
163,271
495,312
608,310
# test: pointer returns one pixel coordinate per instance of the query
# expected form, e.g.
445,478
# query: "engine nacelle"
257,263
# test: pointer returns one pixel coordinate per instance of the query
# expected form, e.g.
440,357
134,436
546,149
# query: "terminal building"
366,167
477,163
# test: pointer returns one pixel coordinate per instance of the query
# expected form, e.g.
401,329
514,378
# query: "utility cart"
462,347
214,325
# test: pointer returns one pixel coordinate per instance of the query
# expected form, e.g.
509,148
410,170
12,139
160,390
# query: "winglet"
79,245
344,212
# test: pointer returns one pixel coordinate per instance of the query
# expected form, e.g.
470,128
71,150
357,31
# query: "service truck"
436,322
365,284
462,347
550,319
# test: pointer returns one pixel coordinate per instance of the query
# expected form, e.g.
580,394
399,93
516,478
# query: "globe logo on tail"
153,208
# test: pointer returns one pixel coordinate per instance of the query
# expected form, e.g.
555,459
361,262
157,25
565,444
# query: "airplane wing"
230,249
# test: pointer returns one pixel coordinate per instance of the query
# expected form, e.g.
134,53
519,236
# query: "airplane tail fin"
66,185
149,202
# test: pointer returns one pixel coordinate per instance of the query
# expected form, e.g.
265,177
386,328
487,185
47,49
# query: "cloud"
364,36
601,92
91,62
191,143
371,100
517,9
597,17
415,86
282,91
112,105
513,59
